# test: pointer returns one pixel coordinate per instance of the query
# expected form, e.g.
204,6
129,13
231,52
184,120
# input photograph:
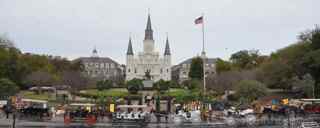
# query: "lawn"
174,92
114,92
183,95
33,95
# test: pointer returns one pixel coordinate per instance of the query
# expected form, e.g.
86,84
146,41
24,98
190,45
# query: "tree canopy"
162,85
250,90
245,59
7,87
196,68
31,69
104,84
134,85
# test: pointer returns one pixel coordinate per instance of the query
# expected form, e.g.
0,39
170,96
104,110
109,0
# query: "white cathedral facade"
148,61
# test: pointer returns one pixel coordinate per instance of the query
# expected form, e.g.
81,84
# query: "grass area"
174,92
33,95
114,92
183,95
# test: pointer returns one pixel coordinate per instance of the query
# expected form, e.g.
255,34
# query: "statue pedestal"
147,83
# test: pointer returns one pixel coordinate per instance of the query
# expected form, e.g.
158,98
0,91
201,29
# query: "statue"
147,75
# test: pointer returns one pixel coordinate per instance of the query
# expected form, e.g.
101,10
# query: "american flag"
199,20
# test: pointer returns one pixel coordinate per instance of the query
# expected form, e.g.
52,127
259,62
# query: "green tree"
162,85
134,85
250,90
277,74
104,84
196,68
192,84
245,59
293,56
223,66
18,66
311,60
7,87
11,66
305,84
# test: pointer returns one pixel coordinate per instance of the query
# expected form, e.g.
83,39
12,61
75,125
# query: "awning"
82,104
33,100
131,106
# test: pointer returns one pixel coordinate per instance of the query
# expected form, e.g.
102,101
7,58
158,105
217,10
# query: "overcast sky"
71,28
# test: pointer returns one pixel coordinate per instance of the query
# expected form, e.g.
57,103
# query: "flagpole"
203,34
203,57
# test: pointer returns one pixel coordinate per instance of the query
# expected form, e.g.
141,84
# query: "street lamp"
313,91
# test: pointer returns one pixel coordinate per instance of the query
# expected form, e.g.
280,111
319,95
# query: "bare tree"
75,79
40,78
227,80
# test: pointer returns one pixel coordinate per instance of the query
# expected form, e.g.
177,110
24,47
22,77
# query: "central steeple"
148,42
148,32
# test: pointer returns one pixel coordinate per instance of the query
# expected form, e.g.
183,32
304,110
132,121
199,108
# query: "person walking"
6,111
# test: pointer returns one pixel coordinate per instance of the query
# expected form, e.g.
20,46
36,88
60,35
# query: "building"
180,72
5,43
101,68
148,61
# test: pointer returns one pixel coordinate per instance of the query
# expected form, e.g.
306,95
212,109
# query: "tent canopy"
131,106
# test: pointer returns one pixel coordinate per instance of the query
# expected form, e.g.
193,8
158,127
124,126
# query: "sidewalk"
5,122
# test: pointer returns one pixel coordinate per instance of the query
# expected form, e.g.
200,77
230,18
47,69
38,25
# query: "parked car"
309,125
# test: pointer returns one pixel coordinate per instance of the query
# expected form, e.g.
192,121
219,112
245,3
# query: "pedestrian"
166,117
14,119
7,111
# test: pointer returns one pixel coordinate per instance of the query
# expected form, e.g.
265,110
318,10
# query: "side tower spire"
129,50
148,31
95,52
167,50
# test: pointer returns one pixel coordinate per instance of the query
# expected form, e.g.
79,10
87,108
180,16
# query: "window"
107,65
135,70
129,70
184,65
97,65
101,65
161,70
167,70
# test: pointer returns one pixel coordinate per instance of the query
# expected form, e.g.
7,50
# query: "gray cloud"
71,28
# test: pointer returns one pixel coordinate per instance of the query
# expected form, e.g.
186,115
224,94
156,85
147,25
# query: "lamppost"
313,95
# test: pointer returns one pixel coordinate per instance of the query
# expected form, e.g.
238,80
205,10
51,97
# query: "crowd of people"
81,113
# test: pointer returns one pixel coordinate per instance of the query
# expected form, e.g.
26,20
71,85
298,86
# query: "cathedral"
148,64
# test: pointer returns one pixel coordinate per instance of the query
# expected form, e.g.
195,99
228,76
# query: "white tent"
131,106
